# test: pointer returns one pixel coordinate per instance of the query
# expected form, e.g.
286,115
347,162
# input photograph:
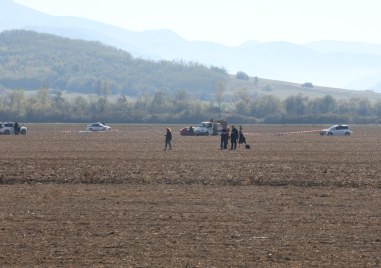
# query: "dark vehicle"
188,132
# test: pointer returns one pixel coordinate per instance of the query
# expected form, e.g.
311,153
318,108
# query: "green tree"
43,101
122,101
360,106
377,109
295,104
159,103
182,101
308,85
106,90
80,107
242,76
328,104
219,93
103,90
142,102
265,106
243,100
324,105
59,100
256,80
17,101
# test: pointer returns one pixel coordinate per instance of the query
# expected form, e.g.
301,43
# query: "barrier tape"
109,131
157,131
283,133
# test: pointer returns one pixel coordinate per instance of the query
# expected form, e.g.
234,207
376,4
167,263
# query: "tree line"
160,107
115,87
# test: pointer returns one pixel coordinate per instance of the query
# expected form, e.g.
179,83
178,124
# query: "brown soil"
114,199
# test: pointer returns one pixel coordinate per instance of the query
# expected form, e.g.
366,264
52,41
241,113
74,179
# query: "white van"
208,128
8,128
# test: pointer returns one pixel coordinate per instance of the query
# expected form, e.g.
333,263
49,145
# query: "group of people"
236,136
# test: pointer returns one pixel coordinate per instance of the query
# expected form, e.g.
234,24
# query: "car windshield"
206,124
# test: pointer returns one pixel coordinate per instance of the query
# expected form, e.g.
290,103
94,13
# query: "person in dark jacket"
233,138
241,137
224,138
191,131
16,128
168,139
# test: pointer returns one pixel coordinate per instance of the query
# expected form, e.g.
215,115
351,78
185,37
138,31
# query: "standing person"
16,128
224,138
241,137
168,138
233,138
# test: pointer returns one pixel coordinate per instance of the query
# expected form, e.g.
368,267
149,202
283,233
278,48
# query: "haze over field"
284,40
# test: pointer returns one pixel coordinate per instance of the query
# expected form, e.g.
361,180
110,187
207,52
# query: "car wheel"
347,134
23,131
330,134
7,132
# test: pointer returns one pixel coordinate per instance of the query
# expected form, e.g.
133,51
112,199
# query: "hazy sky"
232,22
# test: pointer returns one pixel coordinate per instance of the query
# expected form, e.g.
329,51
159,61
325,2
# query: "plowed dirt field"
117,199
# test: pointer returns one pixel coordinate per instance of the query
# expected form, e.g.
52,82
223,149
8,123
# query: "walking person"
241,137
168,138
224,138
233,138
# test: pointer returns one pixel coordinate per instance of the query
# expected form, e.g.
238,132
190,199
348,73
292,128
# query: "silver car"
98,127
337,130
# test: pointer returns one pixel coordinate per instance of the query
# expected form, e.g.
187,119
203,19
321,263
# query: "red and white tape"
283,133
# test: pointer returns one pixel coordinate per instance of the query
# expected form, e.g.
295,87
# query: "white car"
8,128
337,130
208,128
98,127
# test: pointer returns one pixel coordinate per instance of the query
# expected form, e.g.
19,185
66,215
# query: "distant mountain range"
328,63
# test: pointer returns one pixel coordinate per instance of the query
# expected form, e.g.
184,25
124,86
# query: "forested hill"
30,60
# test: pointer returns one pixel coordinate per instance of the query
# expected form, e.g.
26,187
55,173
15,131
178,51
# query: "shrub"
242,76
